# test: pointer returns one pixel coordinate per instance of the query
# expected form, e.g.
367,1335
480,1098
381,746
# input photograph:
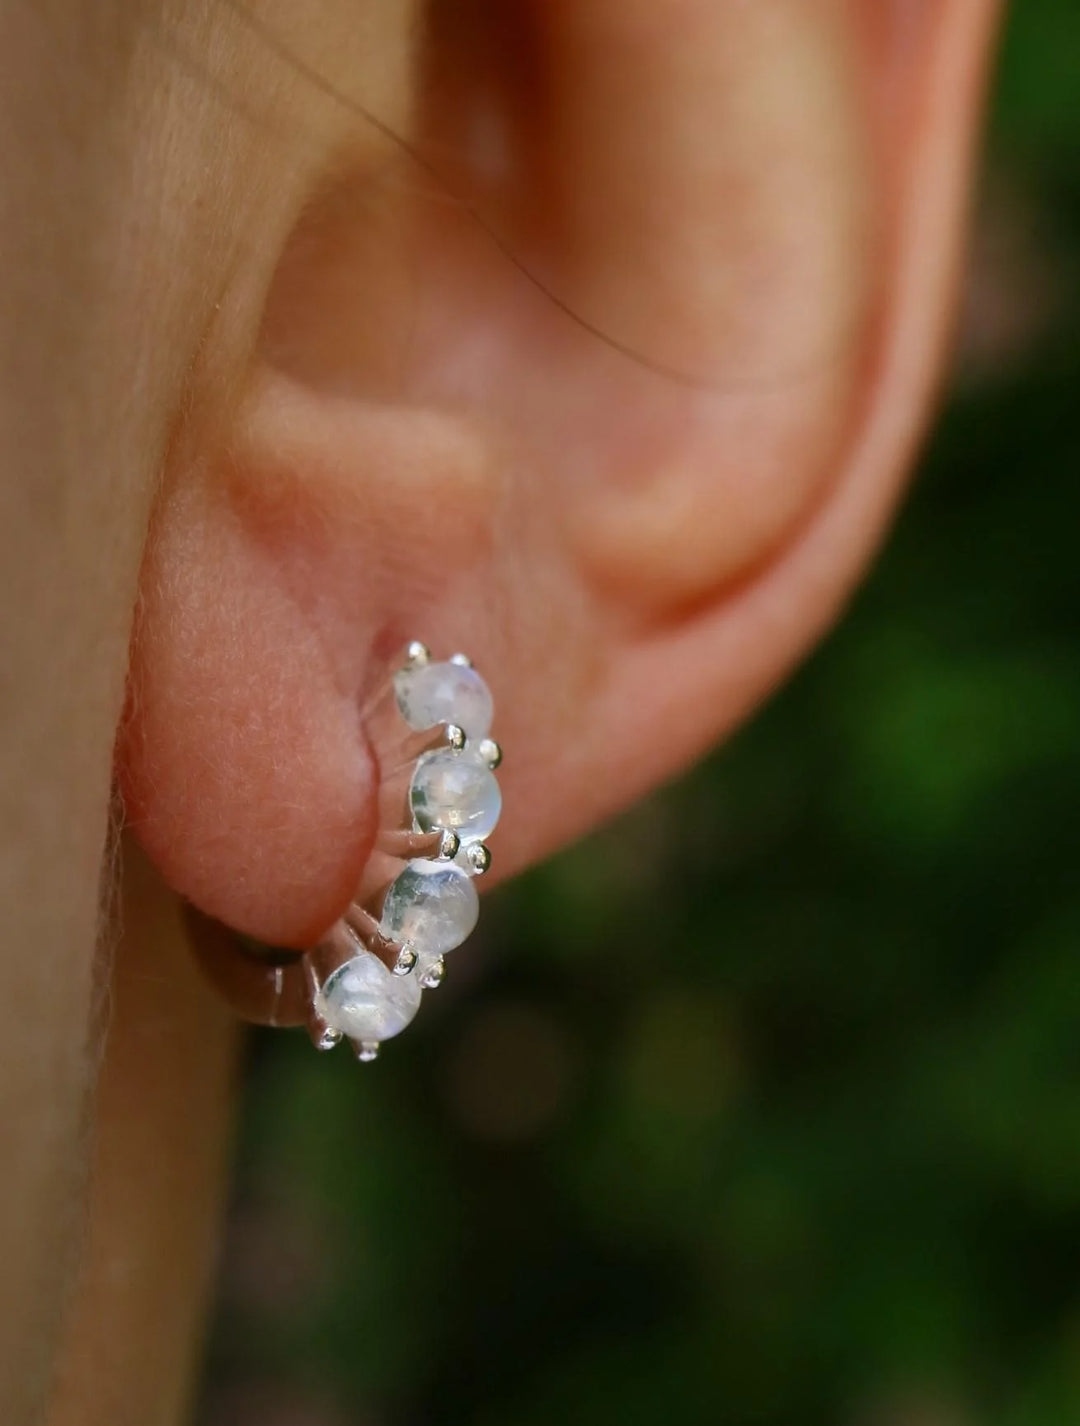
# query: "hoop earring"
439,802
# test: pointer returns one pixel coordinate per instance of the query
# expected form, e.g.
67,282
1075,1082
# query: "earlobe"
277,582
235,705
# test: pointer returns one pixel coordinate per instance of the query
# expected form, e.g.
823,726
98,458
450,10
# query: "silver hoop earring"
440,802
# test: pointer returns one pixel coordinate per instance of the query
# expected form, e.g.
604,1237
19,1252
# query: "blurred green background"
764,1105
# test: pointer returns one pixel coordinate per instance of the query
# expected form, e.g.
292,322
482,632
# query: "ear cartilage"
365,979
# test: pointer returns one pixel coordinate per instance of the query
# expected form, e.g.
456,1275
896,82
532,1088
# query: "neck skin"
142,166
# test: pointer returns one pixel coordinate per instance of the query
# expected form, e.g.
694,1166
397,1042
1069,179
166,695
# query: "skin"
615,385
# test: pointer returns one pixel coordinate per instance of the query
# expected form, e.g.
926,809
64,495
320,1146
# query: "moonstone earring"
364,981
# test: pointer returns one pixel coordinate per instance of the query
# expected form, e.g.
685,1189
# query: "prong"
367,933
479,858
406,960
323,1037
365,930
434,976
491,753
462,660
431,846
364,927
431,740
366,1050
417,654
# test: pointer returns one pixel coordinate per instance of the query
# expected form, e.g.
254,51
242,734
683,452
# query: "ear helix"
430,725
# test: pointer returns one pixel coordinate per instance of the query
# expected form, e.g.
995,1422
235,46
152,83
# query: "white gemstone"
455,790
365,1001
433,907
444,693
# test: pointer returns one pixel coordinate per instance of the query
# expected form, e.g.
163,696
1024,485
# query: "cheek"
244,770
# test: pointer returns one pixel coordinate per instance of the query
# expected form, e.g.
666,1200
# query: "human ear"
611,379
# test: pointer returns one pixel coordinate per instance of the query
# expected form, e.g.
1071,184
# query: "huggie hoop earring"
365,979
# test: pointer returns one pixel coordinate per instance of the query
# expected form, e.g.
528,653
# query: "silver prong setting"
478,857
363,929
405,845
417,901
491,753
435,974
431,740
406,960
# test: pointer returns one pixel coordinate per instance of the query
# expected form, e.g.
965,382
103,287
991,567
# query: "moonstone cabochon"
432,906
365,1001
455,790
444,693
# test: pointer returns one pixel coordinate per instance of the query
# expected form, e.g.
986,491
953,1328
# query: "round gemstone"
431,906
455,790
366,1001
444,693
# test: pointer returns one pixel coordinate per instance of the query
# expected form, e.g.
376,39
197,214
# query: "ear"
612,383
